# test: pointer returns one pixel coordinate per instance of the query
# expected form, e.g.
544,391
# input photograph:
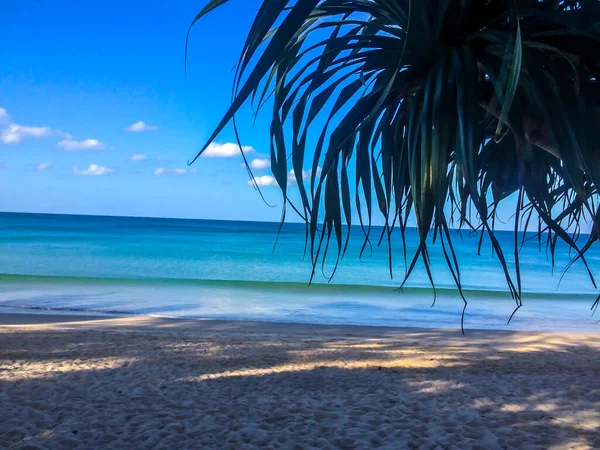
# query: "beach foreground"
141,382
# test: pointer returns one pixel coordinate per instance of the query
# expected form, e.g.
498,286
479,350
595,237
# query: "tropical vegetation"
437,109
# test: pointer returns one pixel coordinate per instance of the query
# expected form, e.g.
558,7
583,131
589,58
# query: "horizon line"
221,220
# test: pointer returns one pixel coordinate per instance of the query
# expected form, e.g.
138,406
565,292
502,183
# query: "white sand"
147,383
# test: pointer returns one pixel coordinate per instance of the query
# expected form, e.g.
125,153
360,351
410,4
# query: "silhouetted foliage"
438,108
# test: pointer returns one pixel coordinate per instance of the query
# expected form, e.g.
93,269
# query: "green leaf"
439,109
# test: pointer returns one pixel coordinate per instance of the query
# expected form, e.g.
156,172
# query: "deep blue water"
229,270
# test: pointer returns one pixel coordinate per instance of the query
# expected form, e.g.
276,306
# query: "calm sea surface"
229,270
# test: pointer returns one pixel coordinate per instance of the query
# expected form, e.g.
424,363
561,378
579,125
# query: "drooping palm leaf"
441,108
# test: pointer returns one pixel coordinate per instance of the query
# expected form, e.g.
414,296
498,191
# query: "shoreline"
44,318
41,316
132,382
318,304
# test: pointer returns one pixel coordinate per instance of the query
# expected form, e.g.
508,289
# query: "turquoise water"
229,270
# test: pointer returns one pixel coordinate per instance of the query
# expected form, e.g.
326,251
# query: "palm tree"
441,109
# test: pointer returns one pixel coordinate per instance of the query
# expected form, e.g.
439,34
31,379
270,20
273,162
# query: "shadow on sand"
149,383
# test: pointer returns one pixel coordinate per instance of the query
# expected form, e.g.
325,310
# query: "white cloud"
268,180
265,180
16,133
70,145
137,157
227,150
164,171
93,170
44,166
306,175
140,126
259,163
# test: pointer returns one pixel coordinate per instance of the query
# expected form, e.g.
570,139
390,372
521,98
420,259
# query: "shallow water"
229,270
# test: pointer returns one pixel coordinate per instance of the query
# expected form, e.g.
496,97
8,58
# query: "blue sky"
98,116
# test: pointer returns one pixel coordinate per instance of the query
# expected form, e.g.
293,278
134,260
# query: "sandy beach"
141,382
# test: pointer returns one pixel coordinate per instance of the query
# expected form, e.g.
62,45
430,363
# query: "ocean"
231,270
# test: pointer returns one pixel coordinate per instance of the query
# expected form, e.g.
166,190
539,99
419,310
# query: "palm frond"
441,109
